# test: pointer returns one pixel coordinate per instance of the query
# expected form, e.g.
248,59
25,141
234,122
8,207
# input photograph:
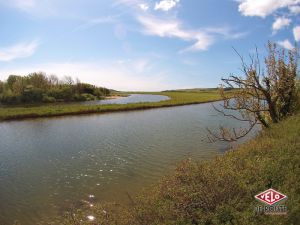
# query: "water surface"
134,98
48,164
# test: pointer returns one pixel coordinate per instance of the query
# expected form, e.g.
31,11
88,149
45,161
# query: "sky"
142,45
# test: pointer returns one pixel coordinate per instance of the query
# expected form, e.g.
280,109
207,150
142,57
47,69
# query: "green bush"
65,93
10,98
48,99
84,97
79,98
32,94
1,87
88,97
33,88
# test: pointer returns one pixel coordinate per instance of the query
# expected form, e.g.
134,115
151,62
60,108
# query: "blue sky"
141,44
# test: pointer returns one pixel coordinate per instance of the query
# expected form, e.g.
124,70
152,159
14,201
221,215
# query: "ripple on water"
60,160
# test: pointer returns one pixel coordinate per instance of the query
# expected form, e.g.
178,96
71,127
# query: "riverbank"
176,99
220,191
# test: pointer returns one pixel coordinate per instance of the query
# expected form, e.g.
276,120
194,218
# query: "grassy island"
177,98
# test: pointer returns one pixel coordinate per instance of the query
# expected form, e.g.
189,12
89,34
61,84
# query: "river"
48,164
133,98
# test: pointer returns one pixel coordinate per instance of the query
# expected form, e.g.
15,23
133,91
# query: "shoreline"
115,97
176,99
81,113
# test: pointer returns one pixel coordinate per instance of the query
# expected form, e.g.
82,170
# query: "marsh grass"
51,110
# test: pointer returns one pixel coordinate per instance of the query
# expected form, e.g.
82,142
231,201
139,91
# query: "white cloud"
263,8
24,4
36,8
144,6
226,32
172,28
204,41
286,44
166,5
280,23
203,38
141,65
129,3
20,50
295,9
296,32
97,21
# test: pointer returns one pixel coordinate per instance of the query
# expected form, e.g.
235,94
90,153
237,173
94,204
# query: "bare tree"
53,79
68,80
263,95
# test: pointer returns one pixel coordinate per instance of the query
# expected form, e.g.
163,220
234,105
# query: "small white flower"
91,218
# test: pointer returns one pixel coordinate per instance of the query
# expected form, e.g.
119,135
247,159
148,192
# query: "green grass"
220,191
176,99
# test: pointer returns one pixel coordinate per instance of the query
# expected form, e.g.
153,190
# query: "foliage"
38,88
220,191
264,94
176,99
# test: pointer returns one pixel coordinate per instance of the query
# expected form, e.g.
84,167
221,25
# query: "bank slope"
222,191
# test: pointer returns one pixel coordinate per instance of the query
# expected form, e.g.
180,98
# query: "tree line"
41,88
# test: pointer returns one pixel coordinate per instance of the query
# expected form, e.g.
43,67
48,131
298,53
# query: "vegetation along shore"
177,98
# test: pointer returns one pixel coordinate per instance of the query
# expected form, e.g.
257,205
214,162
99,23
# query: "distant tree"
68,80
19,85
263,95
32,94
38,80
1,87
38,87
53,80
11,80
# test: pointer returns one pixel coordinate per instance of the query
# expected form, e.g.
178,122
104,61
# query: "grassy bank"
220,191
50,110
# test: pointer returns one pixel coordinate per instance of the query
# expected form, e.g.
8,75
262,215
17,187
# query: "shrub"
88,97
32,94
48,99
10,98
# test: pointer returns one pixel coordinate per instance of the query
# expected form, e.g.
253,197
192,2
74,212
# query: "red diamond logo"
270,196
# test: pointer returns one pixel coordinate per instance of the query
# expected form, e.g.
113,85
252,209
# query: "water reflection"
134,98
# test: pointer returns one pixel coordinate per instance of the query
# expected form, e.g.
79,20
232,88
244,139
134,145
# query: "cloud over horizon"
263,8
286,44
287,9
172,28
296,32
280,23
166,5
18,50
